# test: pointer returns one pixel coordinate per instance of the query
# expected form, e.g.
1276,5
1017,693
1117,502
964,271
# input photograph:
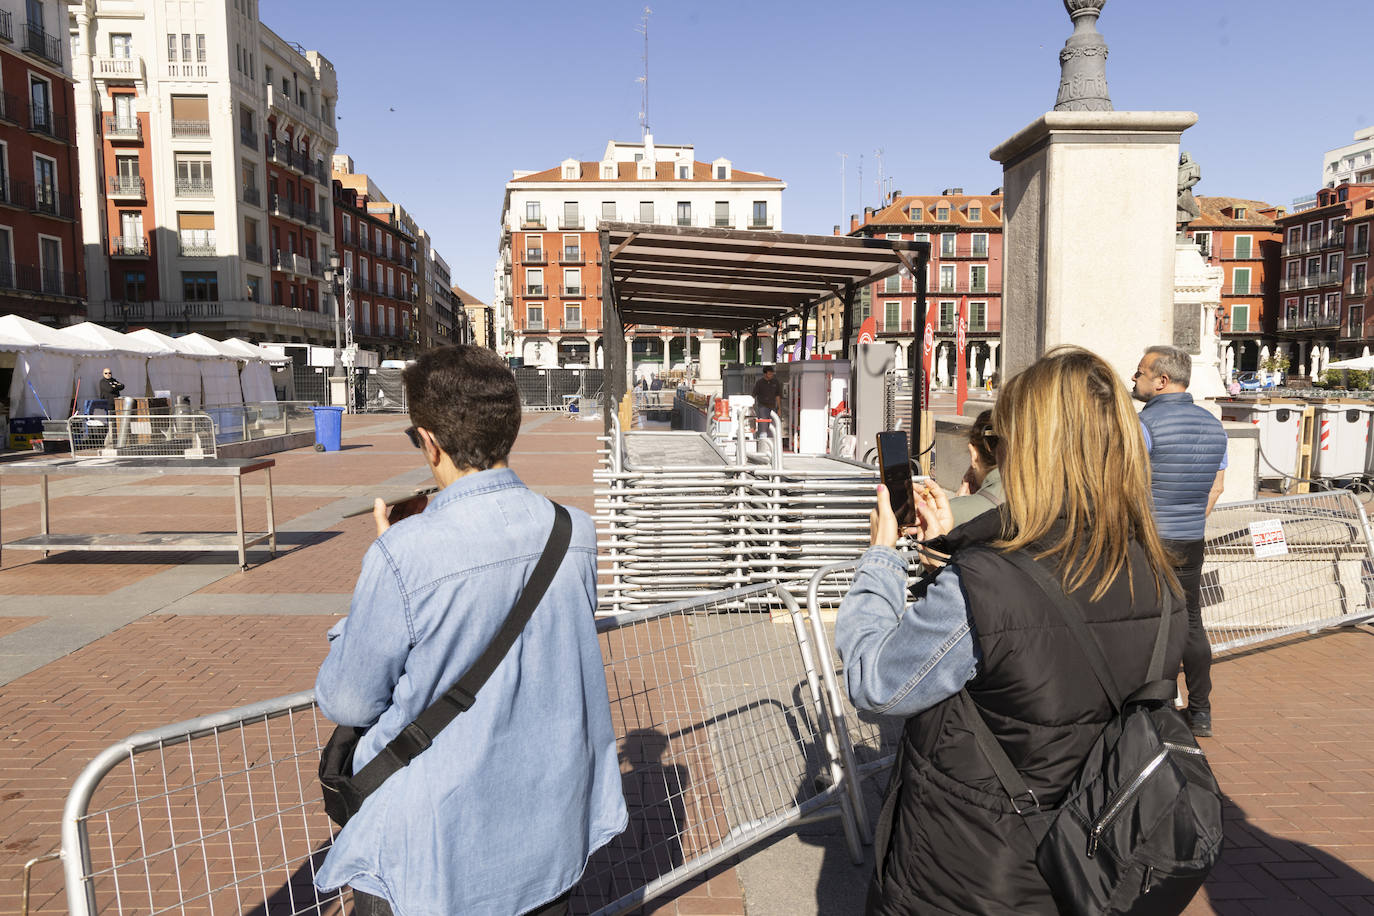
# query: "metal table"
233,468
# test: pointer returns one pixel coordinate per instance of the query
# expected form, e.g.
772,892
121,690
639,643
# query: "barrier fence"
128,435
546,389
723,731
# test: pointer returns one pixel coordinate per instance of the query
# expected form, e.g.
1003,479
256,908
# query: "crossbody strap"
420,733
1072,616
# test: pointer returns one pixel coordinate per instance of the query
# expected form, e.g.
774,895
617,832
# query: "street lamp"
334,279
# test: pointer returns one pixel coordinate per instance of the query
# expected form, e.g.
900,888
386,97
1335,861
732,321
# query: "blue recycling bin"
328,428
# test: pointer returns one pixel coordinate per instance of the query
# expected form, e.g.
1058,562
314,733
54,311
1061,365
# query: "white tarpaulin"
1362,363
255,377
219,370
172,372
44,368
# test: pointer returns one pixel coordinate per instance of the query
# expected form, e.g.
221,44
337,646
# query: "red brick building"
41,257
380,253
964,275
1242,238
1319,259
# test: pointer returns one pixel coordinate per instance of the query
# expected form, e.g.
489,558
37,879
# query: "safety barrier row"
726,728
548,389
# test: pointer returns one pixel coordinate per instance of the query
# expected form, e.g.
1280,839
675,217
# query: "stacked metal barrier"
128,435
1278,567
549,388
676,518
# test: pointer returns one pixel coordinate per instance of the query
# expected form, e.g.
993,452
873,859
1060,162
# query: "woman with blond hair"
982,639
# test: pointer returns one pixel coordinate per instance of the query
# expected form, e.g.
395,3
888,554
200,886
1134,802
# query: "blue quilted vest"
1186,447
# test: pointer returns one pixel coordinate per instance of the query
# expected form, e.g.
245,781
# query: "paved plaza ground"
94,647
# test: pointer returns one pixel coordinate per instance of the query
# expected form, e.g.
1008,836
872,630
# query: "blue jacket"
1187,447
499,815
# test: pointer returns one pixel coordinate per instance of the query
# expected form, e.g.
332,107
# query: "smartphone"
391,501
895,464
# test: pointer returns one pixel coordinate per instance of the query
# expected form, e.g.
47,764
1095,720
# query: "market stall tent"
255,378
219,369
126,356
44,365
174,372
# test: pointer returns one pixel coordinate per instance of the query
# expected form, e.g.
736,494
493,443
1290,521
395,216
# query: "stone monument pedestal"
1088,234
1197,296
708,376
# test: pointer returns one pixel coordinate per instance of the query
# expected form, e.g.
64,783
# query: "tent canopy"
103,339
1363,363
19,333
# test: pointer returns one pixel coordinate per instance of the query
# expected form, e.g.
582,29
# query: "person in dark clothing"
110,387
1187,448
765,402
982,639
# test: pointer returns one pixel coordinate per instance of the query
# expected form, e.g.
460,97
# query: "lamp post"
333,278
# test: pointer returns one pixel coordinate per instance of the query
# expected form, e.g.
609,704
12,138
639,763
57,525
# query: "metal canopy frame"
736,280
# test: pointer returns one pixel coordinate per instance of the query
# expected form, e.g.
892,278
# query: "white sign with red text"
1268,538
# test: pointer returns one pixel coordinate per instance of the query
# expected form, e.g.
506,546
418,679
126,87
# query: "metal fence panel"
1278,567
127,435
549,388
311,383
724,734
220,814
384,392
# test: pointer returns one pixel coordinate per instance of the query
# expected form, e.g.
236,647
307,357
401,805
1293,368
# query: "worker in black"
109,388
765,402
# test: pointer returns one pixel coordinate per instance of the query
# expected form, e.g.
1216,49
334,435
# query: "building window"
533,213
1240,281
1294,235
1361,239
570,172
1203,240
186,46
684,213
914,213
534,281
190,116
572,247
947,242
977,316
722,218
196,232
892,316
980,245
135,286
947,312
45,183
200,286
978,278
572,219
975,213
608,171
1240,318
535,317
121,46
1239,212
1244,244
1333,264
684,171
1357,279
760,217
572,281
942,213
720,171
572,317
608,210
171,47
646,211
946,278
892,284
1355,326
200,49
194,175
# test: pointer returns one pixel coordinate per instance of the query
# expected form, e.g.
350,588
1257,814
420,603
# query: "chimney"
853,222
953,192
996,192
868,211
835,230
896,194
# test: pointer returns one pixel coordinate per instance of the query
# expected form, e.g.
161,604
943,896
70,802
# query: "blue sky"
479,89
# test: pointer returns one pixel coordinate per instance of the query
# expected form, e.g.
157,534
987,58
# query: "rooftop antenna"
644,80
844,214
882,188
861,183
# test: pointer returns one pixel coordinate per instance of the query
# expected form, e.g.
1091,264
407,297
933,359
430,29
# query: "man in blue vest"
1187,447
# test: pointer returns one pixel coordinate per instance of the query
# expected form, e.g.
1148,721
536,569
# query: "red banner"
928,354
961,362
868,331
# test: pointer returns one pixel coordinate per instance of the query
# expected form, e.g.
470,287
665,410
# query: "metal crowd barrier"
546,388
723,727
129,435
1279,567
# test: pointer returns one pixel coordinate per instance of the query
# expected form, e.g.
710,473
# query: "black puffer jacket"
956,844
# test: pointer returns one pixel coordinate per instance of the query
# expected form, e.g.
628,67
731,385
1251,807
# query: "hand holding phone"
895,467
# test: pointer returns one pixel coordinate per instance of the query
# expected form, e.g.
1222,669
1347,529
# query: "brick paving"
1295,723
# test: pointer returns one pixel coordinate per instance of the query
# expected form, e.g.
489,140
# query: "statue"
1083,61
1189,174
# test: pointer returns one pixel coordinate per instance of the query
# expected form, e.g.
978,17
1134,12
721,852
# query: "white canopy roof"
168,345
1364,363
244,349
95,335
18,333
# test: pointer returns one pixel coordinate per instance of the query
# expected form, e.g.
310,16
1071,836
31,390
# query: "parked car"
1254,381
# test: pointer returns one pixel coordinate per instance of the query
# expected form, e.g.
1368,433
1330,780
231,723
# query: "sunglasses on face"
413,433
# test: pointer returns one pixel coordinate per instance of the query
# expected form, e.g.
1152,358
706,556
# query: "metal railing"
117,128
182,127
252,195
1309,322
127,186
545,389
197,248
186,187
248,138
253,252
43,121
39,42
124,246
724,727
34,279
6,25
128,435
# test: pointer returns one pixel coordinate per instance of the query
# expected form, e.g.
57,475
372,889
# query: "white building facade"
1353,163
548,283
205,141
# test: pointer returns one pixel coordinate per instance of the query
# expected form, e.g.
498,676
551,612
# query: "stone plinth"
1088,234
1197,297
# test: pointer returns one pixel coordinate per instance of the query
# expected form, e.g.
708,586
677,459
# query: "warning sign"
1268,538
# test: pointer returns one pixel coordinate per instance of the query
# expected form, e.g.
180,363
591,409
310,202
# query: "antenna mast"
644,80
861,183
844,216
882,188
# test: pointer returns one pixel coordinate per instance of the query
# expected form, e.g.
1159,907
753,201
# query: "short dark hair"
768,368
468,400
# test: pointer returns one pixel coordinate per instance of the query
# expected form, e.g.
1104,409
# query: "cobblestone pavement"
94,647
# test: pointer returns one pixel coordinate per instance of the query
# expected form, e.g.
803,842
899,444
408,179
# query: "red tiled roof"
466,297
626,171
898,213
1215,215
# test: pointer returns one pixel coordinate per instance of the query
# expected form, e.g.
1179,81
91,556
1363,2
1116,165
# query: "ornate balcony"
119,68
119,129
129,247
128,187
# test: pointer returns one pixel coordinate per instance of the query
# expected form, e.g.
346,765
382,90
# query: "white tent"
174,372
44,367
127,356
219,370
255,378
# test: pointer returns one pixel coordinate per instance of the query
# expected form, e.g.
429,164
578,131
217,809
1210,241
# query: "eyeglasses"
413,433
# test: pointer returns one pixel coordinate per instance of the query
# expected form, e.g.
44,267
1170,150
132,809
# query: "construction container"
1280,431
1341,449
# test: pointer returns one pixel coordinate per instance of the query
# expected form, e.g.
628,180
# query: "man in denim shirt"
500,813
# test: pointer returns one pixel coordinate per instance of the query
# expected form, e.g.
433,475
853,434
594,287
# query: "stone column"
992,357
1090,225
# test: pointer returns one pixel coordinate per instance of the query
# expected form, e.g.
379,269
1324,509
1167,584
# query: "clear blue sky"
482,88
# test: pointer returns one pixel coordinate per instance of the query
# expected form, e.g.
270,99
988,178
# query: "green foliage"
1279,362
1357,380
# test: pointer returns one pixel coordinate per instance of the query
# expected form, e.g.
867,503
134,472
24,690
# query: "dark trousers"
368,905
1197,651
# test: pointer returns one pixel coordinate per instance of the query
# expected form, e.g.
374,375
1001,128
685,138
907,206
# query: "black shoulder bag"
344,791
1140,827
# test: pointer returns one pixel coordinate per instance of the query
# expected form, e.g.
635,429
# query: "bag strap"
1156,688
420,733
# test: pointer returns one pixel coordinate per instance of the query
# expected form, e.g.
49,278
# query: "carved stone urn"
1083,61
